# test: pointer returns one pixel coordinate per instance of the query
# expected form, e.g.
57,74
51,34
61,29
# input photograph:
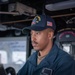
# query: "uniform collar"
33,59
52,54
48,60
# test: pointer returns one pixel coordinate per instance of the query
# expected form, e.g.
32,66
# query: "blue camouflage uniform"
57,62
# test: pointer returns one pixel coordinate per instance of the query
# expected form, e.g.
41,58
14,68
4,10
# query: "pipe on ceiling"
56,16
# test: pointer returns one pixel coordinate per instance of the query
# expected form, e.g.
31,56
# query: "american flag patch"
49,23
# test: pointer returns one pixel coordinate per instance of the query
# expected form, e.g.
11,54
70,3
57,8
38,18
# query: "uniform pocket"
46,71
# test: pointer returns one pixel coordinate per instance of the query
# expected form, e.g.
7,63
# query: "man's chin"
35,48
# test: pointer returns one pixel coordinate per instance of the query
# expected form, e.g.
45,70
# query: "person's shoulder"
61,55
64,56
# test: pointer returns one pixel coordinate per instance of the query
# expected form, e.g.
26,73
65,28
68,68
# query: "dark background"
39,5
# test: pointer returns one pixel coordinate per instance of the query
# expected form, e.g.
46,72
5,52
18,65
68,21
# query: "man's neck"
46,50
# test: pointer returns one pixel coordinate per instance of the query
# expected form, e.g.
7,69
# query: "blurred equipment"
65,40
7,71
2,70
21,9
3,27
10,70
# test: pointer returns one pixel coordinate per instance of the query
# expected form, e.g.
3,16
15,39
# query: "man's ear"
51,34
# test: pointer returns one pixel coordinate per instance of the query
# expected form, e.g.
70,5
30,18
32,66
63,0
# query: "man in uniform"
48,58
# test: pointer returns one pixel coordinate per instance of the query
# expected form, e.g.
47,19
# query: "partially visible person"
48,58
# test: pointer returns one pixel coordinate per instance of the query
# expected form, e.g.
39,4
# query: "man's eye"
37,32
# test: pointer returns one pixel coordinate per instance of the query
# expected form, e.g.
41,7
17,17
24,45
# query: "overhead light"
60,5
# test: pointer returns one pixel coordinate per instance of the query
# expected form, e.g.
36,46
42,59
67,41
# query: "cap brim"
36,28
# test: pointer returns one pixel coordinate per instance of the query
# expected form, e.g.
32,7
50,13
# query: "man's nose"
33,37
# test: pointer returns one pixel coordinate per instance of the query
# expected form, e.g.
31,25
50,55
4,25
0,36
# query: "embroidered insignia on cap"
49,23
36,20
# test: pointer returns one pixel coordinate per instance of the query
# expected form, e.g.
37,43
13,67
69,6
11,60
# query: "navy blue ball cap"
41,22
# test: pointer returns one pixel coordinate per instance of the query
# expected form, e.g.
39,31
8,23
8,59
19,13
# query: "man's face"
40,39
